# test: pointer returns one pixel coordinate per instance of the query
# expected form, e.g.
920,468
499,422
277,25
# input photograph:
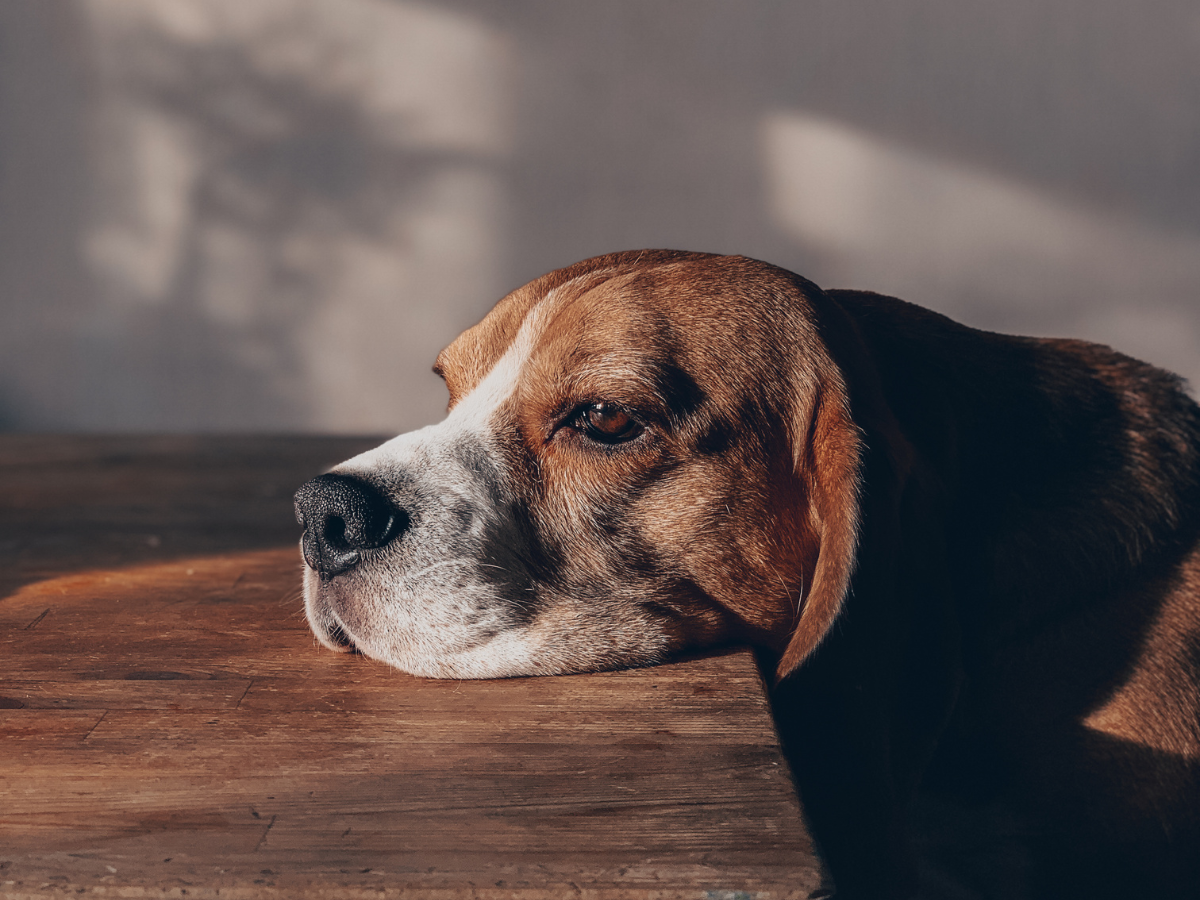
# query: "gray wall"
272,214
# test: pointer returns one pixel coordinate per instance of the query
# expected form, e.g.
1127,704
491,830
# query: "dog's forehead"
633,322
605,302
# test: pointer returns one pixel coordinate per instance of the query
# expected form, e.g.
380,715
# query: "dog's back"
1068,480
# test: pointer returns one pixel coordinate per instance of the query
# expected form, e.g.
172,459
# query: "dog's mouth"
338,636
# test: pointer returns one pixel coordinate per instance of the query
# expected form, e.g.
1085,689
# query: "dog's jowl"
973,559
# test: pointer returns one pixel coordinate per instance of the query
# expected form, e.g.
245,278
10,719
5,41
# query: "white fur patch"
424,615
472,415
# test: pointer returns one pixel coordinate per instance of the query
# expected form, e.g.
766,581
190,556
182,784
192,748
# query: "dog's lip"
339,634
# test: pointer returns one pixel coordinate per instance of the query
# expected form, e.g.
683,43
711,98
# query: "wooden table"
169,727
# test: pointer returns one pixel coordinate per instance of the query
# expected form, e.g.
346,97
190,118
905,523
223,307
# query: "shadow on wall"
273,215
980,247
278,212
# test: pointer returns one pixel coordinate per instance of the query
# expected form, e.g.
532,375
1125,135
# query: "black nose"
342,516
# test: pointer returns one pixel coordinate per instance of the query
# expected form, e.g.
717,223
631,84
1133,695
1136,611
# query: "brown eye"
607,424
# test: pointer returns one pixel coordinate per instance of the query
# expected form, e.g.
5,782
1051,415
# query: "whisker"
461,563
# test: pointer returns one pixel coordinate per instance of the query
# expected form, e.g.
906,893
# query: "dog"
971,559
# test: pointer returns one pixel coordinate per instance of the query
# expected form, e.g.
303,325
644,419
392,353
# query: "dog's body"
974,558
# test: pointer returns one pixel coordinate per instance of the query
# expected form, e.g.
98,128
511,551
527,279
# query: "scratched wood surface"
168,727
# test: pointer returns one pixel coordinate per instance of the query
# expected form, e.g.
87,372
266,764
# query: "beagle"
973,560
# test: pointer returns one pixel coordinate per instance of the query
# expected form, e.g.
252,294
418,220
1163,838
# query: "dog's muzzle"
342,517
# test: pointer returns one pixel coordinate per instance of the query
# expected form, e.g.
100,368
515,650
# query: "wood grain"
169,728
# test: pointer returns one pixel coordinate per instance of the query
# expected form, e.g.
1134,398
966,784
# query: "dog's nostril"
335,533
343,516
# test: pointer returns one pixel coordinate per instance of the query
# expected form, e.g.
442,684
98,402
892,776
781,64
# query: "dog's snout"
342,516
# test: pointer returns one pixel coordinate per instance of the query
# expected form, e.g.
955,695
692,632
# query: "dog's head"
644,452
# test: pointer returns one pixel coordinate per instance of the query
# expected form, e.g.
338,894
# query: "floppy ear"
828,451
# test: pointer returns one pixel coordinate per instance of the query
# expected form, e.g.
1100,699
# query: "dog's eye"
606,423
